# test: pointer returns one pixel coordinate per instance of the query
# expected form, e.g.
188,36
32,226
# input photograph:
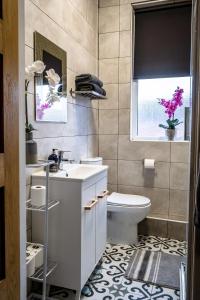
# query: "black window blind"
162,42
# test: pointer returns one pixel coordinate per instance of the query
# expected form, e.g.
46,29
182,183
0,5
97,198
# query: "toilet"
124,214
92,161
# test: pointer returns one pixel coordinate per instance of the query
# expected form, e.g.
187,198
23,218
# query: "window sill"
143,139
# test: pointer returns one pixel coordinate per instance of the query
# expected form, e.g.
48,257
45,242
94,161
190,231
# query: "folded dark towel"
90,87
89,78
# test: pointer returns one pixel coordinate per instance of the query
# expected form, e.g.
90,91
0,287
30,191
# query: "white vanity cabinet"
78,229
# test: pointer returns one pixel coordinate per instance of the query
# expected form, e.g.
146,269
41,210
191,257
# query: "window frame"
134,90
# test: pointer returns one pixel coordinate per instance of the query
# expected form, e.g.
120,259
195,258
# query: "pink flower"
172,105
41,109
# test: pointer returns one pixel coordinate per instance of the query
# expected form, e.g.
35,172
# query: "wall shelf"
88,94
48,267
39,273
41,208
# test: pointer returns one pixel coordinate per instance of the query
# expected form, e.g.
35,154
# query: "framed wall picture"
50,102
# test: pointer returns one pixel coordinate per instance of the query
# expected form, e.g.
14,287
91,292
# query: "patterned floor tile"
134,290
149,243
108,282
175,247
61,293
161,293
102,290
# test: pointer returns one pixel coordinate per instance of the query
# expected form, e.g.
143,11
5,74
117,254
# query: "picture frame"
54,58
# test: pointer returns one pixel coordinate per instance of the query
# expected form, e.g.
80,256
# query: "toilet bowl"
124,214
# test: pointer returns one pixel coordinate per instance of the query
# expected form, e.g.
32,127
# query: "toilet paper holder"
149,164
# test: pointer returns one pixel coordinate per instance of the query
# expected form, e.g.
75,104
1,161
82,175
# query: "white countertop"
73,172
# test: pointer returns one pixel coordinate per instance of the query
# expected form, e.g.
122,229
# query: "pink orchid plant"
171,107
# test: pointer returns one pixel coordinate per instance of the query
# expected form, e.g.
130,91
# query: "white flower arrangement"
37,67
52,77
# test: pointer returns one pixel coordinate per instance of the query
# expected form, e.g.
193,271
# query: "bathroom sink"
75,171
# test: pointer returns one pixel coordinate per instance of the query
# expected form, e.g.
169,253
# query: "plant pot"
170,133
31,149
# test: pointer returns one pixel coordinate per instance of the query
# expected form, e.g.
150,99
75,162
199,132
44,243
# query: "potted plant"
37,67
170,108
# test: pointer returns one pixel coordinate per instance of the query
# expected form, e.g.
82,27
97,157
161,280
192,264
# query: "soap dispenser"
53,157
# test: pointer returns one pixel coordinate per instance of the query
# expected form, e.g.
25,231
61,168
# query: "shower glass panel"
2,235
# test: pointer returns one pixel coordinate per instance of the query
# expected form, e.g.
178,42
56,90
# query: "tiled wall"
168,186
73,26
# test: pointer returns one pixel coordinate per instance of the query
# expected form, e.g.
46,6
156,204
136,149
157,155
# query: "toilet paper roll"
149,163
30,263
38,195
38,251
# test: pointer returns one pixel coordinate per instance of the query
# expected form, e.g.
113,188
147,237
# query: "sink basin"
75,171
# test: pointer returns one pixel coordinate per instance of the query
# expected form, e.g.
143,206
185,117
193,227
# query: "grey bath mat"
155,267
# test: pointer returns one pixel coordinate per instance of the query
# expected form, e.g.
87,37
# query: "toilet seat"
126,200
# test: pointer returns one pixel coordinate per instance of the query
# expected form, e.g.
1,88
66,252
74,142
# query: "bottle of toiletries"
53,157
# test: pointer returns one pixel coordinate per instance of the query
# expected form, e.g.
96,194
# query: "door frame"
12,160
193,262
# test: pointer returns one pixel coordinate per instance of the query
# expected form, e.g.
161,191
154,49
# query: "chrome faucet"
61,159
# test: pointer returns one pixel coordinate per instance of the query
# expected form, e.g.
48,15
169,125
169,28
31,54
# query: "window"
161,63
150,114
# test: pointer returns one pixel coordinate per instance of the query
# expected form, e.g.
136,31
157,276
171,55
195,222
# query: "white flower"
29,73
38,66
52,77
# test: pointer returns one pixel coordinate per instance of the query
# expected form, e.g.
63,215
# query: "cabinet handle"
104,193
91,204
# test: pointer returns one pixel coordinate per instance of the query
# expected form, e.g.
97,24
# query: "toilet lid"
127,200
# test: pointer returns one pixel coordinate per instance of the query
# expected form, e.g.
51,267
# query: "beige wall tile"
80,5
109,45
177,230
159,198
125,17
108,121
179,176
112,188
180,152
92,14
108,70
124,121
108,146
139,150
106,3
112,97
151,226
76,144
179,202
93,146
109,19
124,70
112,171
93,121
125,44
132,173
122,2
124,95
